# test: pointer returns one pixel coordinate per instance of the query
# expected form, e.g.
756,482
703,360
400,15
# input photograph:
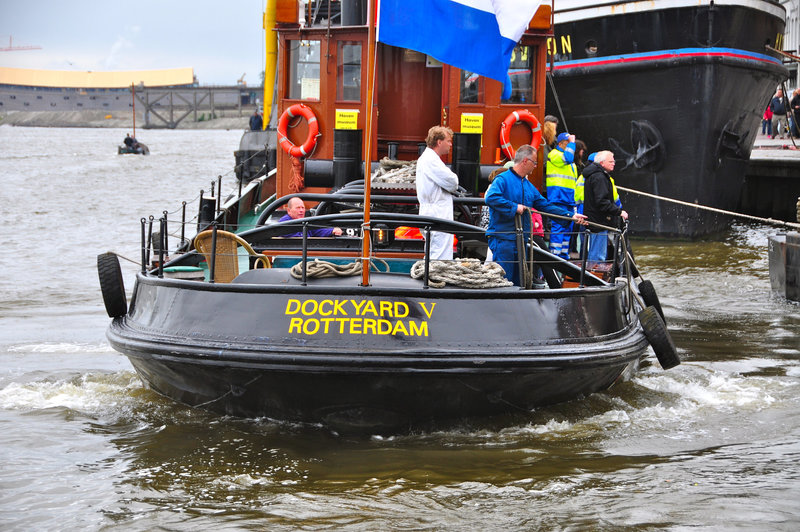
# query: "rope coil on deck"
391,171
321,269
464,273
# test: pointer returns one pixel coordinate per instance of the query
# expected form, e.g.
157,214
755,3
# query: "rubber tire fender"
650,298
111,285
660,340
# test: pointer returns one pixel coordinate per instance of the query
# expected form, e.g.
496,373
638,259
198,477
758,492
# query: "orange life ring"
522,115
308,146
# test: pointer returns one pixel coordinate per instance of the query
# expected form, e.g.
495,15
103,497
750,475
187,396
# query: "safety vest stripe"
563,182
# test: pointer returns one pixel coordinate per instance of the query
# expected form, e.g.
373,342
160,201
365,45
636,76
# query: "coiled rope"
320,269
392,171
464,273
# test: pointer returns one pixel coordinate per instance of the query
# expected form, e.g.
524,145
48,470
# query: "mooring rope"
136,262
464,273
771,221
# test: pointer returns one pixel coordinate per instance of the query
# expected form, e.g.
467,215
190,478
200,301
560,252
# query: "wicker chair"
226,261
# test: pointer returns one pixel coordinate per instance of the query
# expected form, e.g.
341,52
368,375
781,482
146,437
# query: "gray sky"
219,40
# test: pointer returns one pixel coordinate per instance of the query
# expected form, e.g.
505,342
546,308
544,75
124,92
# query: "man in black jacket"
795,105
598,203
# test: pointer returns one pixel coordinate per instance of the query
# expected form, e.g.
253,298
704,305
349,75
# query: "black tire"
111,284
659,338
650,298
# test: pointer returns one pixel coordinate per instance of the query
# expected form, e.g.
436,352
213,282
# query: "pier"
772,179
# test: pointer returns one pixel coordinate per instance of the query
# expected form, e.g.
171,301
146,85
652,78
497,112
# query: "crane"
241,81
12,48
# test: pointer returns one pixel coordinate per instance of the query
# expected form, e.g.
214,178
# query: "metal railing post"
425,277
213,259
144,246
305,253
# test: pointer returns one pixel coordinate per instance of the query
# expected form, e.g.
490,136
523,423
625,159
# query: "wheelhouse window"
471,87
348,69
304,69
521,73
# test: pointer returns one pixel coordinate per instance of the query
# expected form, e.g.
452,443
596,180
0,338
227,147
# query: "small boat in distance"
677,90
363,332
130,144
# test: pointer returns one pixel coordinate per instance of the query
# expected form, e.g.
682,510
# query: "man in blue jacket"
507,196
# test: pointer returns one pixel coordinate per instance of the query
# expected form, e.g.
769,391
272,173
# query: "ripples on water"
712,443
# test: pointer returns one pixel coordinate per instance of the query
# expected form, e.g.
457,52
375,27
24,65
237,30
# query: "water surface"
713,444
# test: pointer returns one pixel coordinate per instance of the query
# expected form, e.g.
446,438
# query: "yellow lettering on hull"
351,317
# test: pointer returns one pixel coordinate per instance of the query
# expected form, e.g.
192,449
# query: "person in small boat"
296,209
128,141
508,196
436,184
256,121
599,202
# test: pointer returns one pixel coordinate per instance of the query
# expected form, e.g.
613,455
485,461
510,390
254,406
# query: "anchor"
650,150
731,142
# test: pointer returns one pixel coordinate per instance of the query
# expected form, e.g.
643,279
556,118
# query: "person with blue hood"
560,180
508,195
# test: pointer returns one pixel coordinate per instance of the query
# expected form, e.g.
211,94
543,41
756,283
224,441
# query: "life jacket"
561,177
617,201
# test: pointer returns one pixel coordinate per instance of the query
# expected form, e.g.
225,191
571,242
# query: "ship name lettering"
361,326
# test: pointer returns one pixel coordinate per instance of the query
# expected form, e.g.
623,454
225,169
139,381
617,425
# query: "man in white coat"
436,185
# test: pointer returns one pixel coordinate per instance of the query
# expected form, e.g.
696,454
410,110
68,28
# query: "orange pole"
367,234
133,100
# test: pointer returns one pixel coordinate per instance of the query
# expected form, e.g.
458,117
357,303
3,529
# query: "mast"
133,102
365,228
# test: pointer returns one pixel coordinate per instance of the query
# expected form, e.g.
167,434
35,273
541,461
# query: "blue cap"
591,157
562,136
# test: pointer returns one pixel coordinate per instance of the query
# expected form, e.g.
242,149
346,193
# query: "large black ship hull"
676,92
370,359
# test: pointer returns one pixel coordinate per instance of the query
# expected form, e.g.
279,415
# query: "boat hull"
385,359
678,95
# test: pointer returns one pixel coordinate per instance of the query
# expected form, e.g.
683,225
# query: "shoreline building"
62,90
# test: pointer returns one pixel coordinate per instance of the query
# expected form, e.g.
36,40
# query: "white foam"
90,393
61,347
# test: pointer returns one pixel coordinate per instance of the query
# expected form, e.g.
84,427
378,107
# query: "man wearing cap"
508,196
560,181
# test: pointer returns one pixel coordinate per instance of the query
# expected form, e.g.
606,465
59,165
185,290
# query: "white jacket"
435,185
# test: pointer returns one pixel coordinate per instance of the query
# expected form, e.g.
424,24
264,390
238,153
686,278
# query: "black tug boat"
248,324
677,90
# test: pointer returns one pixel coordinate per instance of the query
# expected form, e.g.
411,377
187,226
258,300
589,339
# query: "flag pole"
365,227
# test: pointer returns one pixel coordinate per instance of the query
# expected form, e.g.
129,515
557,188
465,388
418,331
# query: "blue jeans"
598,245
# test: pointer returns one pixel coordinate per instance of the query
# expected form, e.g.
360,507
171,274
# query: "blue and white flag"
474,35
